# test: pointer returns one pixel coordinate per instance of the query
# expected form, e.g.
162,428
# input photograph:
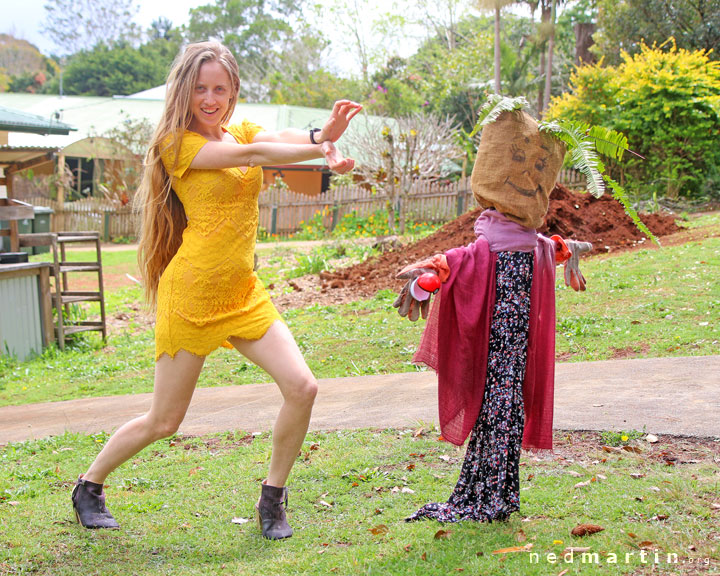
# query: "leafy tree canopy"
624,24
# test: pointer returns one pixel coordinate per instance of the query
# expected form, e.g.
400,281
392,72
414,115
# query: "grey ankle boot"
271,513
88,501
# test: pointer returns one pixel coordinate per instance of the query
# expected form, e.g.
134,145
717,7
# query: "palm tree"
495,5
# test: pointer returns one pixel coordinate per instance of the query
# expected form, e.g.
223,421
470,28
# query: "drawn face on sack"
529,159
516,167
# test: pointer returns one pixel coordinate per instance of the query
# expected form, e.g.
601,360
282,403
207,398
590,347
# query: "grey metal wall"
20,322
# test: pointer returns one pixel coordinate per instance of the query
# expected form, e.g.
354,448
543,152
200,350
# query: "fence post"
273,219
460,202
335,216
106,227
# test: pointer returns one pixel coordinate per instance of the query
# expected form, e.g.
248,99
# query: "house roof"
12,120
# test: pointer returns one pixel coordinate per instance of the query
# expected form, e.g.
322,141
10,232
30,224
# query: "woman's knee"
164,427
302,390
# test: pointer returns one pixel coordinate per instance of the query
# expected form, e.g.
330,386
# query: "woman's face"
211,97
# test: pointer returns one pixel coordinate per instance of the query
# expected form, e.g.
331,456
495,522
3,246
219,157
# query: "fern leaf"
495,106
621,196
608,142
582,153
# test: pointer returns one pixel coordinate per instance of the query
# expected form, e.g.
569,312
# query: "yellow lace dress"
209,291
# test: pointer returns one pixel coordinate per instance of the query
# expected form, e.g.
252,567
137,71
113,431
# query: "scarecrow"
490,335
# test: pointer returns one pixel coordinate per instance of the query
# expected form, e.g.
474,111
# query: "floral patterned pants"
489,488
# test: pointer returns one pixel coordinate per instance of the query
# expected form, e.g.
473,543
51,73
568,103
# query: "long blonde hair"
162,214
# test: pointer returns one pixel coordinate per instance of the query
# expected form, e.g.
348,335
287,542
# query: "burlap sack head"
516,168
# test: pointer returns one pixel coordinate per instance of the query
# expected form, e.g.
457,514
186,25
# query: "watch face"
516,168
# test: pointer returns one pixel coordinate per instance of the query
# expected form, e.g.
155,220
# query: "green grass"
349,494
644,303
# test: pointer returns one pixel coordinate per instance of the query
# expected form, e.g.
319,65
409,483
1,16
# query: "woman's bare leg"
278,354
175,380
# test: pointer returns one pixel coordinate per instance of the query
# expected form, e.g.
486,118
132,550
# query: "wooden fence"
282,211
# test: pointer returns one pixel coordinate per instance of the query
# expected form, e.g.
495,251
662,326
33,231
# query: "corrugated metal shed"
21,330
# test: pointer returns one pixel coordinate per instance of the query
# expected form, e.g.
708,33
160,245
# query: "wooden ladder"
63,297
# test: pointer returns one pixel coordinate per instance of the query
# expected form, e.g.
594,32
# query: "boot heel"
88,500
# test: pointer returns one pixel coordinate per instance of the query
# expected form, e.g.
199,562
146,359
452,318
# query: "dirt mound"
571,215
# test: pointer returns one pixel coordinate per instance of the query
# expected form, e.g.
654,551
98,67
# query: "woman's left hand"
335,160
343,111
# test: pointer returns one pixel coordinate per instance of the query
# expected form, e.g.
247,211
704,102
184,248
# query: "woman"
200,215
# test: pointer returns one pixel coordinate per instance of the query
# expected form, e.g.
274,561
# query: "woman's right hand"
343,111
335,160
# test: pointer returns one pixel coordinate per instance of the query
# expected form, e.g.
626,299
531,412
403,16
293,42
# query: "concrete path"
678,396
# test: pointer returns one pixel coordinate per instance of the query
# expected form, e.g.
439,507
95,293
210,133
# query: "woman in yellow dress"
200,215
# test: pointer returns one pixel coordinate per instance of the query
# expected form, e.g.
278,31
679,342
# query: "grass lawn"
185,506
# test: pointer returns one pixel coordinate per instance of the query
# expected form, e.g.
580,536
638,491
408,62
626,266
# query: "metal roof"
12,120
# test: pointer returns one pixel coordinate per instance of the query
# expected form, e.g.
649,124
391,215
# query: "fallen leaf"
573,473
314,446
645,545
424,556
408,548
586,529
379,530
654,488
327,504
564,572
601,477
444,457
637,475
13,502
407,490
195,470
520,536
611,449
651,438
511,549
238,520
410,466
442,534
582,484
419,432
632,534
629,448
715,506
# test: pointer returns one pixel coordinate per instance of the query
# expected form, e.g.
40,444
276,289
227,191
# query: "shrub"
667,101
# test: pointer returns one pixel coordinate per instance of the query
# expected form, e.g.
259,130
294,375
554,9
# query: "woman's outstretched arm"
217,155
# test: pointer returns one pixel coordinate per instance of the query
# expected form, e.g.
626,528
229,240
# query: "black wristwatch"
312,135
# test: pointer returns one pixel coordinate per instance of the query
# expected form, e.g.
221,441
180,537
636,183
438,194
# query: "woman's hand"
335,160
343,111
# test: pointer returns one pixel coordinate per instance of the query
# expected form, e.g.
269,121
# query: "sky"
23,19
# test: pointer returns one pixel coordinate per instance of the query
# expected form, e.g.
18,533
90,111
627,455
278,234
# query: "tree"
75,25
22,67
117,70
496,5
257,32
624,24
394,157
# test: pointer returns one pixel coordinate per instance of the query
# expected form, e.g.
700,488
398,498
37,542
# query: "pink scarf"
456,337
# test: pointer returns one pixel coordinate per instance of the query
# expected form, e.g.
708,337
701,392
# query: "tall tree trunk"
550,50
497,50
